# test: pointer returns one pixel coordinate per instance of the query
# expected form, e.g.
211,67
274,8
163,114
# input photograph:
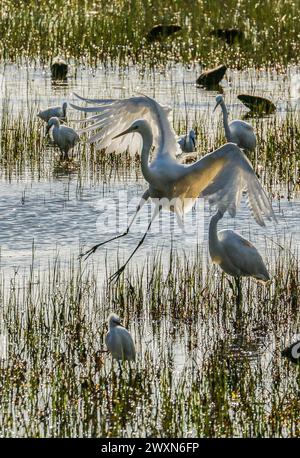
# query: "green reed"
26,151
115,32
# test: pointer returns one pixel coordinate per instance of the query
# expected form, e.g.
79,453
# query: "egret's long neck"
147,137
225,122
213,234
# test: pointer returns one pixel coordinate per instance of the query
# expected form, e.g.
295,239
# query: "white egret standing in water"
64,137
234,254
222,175
237,131
119,341
188,142
59,112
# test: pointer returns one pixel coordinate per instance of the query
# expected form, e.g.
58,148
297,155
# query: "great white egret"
222,175
118,340
59,112
237,131
188,142
292,352
234,254
64,137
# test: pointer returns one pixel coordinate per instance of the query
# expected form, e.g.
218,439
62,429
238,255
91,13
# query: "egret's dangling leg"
239,292
239,301
92,250
117,274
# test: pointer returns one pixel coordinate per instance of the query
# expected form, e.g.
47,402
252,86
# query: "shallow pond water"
56,216
59,214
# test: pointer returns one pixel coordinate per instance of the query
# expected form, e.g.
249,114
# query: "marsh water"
52,212
60,212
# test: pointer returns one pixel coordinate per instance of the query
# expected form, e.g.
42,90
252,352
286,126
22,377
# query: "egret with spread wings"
221,176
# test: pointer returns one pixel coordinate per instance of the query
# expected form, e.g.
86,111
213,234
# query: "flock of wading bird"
142,125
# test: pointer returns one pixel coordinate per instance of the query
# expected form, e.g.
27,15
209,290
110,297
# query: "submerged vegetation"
115,32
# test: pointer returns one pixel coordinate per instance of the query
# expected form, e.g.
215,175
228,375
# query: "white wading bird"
59,112
237,131
64,137
188,142
119,341
234,254
221,176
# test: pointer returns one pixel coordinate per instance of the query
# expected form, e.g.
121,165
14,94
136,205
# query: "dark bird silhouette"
257,104
212,77
231,36
160,32
59,69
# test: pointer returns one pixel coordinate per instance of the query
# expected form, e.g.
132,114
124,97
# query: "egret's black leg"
117,274
239,296
92,250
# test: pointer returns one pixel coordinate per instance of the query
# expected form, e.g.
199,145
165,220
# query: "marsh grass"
115,32
27,152
202,369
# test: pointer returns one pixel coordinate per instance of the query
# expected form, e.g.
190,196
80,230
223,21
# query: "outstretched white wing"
222,176
116,115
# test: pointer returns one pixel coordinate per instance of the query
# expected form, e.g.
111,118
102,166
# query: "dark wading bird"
211,78
231,36
59,69
235,255
257,104
160,32
292,352
222,175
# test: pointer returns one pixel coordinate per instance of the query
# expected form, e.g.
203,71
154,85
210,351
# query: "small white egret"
237,131
188,142
59,112
118,340
222,175
64,137
234,254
